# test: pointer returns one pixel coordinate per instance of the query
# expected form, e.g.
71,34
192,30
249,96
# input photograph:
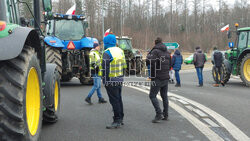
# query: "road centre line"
197,123
230,127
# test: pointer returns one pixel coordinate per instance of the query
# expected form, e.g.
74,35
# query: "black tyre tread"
139,65
54,56
12,83
241,70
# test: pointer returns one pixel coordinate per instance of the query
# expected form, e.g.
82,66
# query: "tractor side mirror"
229,34
47,5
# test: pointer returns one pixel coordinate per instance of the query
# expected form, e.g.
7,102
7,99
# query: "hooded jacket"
177,60
199,59
109,41
160,62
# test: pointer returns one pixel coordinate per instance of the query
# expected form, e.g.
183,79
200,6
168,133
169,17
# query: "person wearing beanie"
95,59
113,65
160,64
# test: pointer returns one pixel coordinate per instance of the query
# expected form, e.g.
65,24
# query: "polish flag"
72,10
107,32
225,28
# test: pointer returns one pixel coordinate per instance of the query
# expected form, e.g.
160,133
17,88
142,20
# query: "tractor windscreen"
69,29
3,10
125,44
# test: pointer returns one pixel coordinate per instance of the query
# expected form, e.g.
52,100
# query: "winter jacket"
217,58
199,59
109,41
177,60
160,62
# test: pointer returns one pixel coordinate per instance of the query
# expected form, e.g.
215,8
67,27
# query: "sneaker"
177,85
88,100
114,125
157,119
200,85
102,100
216,85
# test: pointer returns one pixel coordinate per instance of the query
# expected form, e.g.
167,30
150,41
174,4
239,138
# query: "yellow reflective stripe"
117,65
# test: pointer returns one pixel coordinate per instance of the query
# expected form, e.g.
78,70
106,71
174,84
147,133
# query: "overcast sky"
214,3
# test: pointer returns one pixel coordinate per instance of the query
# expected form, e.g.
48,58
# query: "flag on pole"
72,10
107,32
225,28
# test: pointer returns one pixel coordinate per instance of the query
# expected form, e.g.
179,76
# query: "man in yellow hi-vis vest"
113,65
94,63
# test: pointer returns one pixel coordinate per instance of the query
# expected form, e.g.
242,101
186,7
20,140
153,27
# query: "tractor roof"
123,37
244,29
69,17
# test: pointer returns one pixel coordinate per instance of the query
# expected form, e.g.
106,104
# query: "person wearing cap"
113,64
95,59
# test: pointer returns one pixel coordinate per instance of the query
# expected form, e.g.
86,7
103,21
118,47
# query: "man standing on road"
199,61
160,62
217,60
113,64
95,60
177,61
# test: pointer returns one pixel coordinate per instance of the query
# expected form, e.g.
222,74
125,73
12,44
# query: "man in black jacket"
159,60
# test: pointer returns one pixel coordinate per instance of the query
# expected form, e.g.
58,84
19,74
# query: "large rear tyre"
225,74
21,97
52,94
245,70
53,55
139,65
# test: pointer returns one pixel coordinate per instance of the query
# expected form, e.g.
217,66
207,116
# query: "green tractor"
133,56
29,88
237,59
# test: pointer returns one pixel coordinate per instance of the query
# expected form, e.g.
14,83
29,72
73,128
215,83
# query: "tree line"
191,23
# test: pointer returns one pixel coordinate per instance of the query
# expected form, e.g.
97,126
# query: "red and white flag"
72,10
107,32
225,28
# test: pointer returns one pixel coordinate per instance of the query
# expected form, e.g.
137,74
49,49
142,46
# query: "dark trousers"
115,99
162,86
218,75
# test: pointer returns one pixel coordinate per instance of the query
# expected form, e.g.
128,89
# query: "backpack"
218,58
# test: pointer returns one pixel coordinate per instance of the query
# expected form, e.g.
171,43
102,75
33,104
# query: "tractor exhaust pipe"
37,14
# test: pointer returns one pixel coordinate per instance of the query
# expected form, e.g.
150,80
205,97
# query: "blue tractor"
68,47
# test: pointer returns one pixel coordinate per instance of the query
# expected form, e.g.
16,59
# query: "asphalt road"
80,121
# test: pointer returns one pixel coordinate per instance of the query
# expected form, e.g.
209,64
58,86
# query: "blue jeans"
177,76
96,86
200,75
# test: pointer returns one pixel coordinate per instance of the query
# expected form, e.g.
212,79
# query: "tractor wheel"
226,76
52,94
245,70
139,65
21,97
53,55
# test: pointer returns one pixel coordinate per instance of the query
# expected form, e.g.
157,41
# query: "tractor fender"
243,54
228,66
53,42
88,42
12,45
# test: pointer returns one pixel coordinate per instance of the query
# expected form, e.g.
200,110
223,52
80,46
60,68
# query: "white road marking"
197,123
230,127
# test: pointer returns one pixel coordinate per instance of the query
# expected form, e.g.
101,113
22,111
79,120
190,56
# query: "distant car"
190,59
